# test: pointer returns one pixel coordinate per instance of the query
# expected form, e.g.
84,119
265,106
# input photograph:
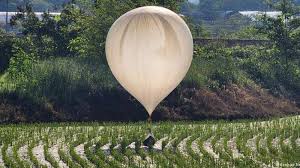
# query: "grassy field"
274,143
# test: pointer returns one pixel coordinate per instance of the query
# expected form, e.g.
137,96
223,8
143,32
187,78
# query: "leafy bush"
20,65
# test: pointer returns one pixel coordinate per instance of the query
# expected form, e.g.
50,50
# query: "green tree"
100,16
50,35
283,30
210,8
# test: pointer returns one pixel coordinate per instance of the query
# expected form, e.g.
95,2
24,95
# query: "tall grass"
63,79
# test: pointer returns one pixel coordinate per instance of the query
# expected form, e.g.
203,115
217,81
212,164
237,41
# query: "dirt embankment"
232,102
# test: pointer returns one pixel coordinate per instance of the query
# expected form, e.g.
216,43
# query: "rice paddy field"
274,143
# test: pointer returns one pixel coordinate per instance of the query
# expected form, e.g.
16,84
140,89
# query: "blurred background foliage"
58,62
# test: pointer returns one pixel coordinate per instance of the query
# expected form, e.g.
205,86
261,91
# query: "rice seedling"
273,143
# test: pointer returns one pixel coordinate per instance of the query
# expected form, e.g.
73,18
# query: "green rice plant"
7,159
194,156
19,161
32,157
92,156
67,159
84,163
48,157
181,154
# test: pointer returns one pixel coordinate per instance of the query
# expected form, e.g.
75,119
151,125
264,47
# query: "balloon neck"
149,119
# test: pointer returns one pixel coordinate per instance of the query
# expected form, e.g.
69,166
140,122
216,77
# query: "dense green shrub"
20,65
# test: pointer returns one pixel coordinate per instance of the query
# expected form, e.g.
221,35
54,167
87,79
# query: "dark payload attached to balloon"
149,51
150,140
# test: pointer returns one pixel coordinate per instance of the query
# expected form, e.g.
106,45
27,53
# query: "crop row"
274,143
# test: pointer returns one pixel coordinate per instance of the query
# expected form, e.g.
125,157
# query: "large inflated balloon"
149,51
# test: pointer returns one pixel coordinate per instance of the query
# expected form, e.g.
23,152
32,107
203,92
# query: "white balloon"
149,50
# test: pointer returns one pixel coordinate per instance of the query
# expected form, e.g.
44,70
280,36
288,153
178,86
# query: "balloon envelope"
149,51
